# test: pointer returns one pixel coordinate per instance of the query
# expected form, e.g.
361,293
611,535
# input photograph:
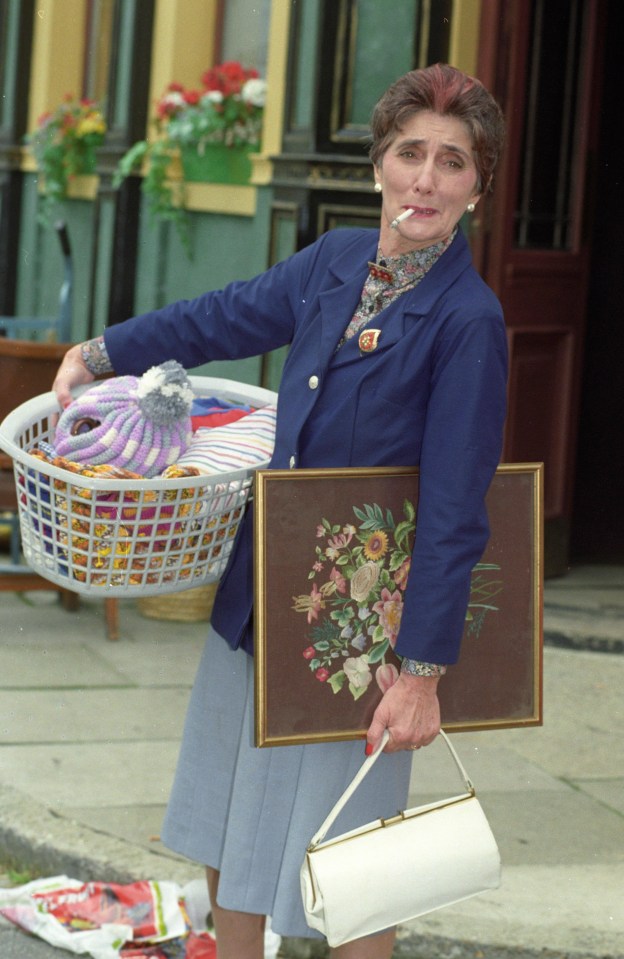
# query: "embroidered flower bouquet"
356,601
355,605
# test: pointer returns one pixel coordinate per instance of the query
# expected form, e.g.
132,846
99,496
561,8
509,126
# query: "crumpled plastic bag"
141,920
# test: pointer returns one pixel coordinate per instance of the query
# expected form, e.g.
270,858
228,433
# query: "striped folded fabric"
248,442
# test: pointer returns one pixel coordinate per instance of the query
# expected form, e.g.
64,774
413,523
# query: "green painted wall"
225,248
41,267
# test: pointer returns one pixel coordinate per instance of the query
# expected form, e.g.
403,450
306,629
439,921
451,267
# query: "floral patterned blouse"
388,278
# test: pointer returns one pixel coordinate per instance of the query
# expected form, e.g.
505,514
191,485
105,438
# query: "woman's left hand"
410,711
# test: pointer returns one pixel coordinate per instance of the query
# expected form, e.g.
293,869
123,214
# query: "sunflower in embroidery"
376,545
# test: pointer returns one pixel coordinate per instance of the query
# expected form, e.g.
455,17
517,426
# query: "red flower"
322,674
228,77
309,652
210,80
191,97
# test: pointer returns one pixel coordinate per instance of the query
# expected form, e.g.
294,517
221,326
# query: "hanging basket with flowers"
64,146
213,129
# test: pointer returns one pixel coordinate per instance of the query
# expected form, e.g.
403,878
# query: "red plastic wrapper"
94,904
140,920
104,920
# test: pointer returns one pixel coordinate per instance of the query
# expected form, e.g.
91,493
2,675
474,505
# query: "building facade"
541,240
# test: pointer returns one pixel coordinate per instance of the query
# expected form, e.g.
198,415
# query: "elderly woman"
425,386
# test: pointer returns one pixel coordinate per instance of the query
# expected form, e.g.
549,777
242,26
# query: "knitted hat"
142,424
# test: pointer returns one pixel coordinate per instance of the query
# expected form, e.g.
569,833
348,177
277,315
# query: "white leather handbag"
392,870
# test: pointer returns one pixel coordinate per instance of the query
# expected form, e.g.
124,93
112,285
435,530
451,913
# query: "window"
244,33
98,48
543,211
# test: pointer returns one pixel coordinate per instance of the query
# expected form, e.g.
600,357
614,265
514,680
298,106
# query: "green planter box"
217,164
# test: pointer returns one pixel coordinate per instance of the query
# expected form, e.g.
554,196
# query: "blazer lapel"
338,305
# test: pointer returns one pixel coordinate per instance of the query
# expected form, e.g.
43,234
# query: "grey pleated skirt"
251,813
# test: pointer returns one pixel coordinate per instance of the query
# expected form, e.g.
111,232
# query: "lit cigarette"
399,219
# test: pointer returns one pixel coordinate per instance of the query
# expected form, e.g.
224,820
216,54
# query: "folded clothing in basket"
210,411
245,443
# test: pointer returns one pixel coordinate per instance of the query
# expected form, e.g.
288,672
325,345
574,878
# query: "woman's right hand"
71,373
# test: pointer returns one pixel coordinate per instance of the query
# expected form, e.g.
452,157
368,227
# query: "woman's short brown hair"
445,90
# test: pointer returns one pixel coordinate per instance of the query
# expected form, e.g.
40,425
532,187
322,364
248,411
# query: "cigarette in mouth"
399,219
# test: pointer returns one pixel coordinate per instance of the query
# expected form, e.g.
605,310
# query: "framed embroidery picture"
332,559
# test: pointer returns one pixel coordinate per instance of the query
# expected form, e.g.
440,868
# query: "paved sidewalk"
89,735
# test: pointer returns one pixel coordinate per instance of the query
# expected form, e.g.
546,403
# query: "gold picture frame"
316,646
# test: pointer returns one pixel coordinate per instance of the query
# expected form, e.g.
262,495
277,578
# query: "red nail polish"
369,749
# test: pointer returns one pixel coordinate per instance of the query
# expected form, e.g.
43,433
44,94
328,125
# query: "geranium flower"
212,96
254,92
170,103
389,609
322,674
376,545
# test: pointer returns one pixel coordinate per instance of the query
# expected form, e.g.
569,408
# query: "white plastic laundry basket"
125,537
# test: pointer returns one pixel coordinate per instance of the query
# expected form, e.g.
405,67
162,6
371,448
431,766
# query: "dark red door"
531,242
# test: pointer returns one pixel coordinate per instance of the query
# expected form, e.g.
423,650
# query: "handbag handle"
364,769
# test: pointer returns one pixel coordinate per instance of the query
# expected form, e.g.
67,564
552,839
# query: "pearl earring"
377,188
471,208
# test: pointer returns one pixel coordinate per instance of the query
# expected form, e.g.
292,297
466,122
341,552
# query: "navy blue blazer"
432,394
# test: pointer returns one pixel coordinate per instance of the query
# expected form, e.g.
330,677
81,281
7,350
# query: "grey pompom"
164,393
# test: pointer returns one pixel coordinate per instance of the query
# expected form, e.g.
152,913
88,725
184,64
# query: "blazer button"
313,382
291,462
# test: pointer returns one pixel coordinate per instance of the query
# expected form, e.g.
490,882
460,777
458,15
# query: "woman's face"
429,168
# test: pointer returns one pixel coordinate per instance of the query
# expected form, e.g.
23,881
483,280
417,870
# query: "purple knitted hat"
141,424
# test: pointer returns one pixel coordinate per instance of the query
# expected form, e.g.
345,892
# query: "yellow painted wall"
58,50
464,45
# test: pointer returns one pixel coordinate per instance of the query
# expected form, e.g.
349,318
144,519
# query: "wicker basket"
133,538
191,606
